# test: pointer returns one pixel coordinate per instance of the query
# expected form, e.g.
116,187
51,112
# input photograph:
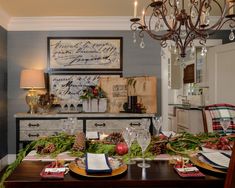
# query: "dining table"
161,174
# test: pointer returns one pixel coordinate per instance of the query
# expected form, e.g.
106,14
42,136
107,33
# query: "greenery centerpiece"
182,144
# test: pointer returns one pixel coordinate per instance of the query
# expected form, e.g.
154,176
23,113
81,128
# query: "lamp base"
32,101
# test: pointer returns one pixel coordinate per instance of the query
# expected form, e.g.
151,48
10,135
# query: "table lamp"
32,79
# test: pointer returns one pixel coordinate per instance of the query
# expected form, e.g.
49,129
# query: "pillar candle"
135,9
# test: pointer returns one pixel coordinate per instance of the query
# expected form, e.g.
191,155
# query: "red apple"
121,148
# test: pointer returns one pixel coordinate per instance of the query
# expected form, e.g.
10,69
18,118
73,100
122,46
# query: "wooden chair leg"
230,177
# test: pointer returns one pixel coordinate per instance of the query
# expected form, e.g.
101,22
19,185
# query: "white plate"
204,149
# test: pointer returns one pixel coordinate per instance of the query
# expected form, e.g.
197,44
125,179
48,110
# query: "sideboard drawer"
28,135
112,125
40,124
46,124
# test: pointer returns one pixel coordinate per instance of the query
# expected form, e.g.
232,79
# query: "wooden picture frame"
67,86
85,53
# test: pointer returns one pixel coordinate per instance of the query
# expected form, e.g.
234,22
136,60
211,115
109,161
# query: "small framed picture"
83,53
70,86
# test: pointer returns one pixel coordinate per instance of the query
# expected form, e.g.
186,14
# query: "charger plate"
82,171
196,161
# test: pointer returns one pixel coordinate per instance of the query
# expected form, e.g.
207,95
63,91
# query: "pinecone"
158,148
49,148
39,148
114,138
80,141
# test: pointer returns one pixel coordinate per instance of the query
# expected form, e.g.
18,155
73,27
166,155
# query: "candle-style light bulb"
135,9
142,19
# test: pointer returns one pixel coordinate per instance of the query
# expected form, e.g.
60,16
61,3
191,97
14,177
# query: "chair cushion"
222,111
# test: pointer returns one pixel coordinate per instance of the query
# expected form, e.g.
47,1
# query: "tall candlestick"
135,9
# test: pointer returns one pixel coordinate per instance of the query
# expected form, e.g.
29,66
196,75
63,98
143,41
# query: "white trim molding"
11,158
3,162
4,18
69,23
73,23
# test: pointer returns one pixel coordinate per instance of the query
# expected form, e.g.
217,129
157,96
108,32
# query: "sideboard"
30,127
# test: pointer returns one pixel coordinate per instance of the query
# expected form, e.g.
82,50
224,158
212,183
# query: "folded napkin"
53,171
97,164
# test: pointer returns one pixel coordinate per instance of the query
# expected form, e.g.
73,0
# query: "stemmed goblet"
143,139
157,123
225,123
129,136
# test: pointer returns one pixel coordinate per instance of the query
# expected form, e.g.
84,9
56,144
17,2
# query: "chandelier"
174,20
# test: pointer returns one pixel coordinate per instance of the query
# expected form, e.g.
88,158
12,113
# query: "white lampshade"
32,79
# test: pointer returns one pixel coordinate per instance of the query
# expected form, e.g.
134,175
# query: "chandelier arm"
231,25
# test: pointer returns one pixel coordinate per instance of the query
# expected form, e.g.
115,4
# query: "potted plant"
94,99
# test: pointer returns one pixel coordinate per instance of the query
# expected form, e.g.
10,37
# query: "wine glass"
129,136
143,139
225,123
157,123
145,124
72,123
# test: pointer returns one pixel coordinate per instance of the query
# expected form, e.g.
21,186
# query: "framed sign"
70,86
92,54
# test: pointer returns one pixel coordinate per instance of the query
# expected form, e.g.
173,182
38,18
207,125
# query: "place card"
188,172
92,135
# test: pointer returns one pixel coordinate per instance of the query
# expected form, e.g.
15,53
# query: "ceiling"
38,8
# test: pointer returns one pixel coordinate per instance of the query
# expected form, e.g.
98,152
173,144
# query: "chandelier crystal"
181,23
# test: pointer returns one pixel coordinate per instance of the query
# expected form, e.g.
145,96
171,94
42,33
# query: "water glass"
157,123
129,136
145,124
143,139
225,123
72,124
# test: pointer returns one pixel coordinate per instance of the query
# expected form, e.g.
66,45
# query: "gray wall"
3,92
29,50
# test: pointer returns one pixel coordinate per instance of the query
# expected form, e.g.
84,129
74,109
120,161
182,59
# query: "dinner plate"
205,149
78,167
205,160
196,160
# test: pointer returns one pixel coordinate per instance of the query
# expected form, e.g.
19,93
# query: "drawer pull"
33,135
100,124
135,124
33,125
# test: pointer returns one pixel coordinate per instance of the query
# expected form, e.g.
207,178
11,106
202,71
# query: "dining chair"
230,176
213,114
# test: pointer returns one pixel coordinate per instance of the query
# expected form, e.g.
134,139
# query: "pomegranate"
121,148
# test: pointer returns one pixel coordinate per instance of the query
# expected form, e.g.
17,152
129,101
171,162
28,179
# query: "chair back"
213,114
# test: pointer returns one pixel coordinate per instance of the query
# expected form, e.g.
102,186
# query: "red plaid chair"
213,114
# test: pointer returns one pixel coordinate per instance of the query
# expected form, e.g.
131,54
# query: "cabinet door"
221,73
182,118
174,73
